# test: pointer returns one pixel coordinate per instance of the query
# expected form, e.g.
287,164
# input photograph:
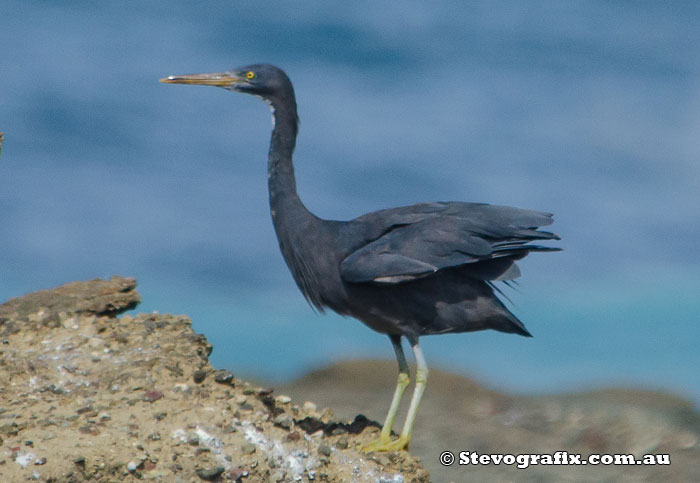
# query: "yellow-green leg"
421,381
401,384
384,443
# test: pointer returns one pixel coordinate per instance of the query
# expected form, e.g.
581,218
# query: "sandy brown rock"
89,396
459,414
46,307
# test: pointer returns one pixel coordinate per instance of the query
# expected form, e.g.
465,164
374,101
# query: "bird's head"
262,80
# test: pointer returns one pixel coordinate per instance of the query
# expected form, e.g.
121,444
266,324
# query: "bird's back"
422,269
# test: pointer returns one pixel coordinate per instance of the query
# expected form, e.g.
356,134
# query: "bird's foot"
387,444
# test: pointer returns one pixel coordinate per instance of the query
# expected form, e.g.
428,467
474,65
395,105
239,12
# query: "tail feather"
516,325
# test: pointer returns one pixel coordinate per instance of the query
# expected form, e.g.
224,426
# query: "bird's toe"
387,444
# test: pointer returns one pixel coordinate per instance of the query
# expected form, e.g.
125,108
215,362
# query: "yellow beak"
220,79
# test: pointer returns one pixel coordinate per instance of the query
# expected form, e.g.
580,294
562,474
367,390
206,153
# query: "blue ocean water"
590,110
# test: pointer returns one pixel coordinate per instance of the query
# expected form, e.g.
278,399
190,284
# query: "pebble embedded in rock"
238,473
199,376
152,396
223,377
325,450
210,474
283,399
248,448
284,421
381,460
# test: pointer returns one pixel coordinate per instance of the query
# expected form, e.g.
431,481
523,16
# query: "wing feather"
416,241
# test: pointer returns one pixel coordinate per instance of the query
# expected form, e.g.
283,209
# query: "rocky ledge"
90,396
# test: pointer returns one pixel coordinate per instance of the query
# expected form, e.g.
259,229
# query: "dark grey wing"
417,241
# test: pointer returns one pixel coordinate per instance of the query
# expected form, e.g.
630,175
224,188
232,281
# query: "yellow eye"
249,75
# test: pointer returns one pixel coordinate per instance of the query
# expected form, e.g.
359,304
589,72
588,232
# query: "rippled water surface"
590,110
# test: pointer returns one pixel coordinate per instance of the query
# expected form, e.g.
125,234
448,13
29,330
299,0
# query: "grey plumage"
416,270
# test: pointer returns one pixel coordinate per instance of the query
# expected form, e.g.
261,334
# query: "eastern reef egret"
411,271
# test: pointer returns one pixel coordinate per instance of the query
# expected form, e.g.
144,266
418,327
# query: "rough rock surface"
89,396
459,414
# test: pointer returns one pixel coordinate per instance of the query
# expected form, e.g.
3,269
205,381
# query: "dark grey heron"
416,270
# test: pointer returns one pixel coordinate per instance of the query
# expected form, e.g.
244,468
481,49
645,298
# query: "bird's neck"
280,170
298,231
284,200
